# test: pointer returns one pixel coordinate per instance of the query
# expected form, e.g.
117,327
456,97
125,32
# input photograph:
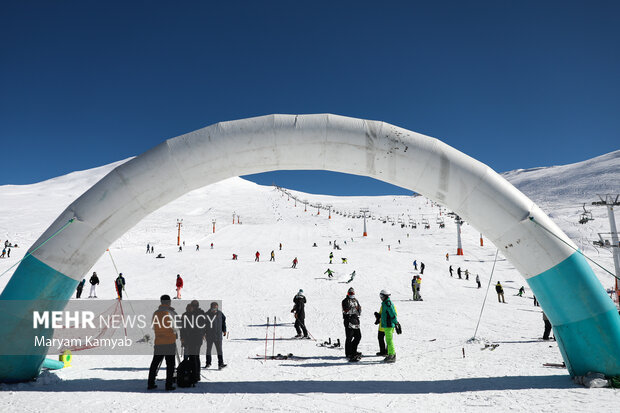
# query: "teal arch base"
33,280
586,323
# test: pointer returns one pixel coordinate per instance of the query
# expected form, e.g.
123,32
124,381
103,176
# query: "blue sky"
513,84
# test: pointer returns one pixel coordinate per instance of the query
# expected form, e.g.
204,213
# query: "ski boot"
390,359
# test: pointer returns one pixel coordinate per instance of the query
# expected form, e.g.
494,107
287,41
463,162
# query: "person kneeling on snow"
388,323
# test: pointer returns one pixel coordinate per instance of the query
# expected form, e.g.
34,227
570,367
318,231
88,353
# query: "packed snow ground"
430,373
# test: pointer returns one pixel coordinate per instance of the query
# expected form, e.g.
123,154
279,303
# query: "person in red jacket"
179,286
257,256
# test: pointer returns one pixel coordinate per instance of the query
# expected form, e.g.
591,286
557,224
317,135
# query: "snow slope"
430,373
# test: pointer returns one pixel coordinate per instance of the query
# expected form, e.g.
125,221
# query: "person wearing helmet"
388,323
300,314
351,311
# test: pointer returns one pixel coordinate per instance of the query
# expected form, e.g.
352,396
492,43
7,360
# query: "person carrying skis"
458,272
94,282
179,285
330,273
273,256
294,263
331,257
119,283
422,266
257,259
192,334
165,343
500,292
352,277
351,312
80,287
388,323
299,309
214,332
478,281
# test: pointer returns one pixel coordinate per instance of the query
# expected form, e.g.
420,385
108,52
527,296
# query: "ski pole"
273,345
266,336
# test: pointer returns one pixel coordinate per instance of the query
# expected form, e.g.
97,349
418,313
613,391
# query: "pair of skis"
329,344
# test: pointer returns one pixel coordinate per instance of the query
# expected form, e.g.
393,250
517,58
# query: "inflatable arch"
586,323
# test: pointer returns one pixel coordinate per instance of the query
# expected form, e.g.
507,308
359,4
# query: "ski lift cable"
40,245
486,294
576,249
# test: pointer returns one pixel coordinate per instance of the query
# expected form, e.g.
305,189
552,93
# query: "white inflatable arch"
586,323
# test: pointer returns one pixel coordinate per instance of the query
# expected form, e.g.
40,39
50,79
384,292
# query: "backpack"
185,374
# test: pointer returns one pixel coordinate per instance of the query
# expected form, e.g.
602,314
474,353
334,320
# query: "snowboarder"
257,259
352,277
330,273
165,343
215,331
521,291
94,282
422,266
119,283
466,274
547,326
451,271
458,272
300,314
478,281
500,292
351,312
388,323
294,263
415,265
179,285
273,256
331,257
192,334
80,287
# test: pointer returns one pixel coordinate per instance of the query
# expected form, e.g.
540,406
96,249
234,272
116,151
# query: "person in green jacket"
388,323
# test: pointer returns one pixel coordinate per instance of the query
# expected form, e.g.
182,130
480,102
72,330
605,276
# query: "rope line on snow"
40,245
486,294
576,249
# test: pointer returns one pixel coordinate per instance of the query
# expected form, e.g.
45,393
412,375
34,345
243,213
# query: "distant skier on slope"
331,257
451,271
521,291
119,283
299,310
330,273
500,292
257,255
352,277
458,272
273,256
294,263
351,312
179,285
478,281
466,274
422,266
415,263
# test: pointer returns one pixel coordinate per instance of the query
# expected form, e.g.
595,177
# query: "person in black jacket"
300,314
192,334
351,311
94,282
214,332
80,287
500,292
119,283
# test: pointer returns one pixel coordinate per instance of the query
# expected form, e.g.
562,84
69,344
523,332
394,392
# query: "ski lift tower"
179,225
459,244
610,201
329,211
364,211
318,208
305,201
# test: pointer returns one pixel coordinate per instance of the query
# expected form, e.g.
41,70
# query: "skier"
521,291
351,312
197,247
179,285
422,266
192,334
300,314
388,323
331,257
451,271
80,287
180,248
547,327
415,265
352,277
330,273
152,249
148,248
294,263
466,274
211,245
478,281
447,256
119,283
257,259
280,246
414,287
344,261
235,257
500,292
165,343
216,329
458,272
94,282
273,256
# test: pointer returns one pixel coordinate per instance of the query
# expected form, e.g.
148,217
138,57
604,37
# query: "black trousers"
547,329
300,326
163,351
353,337
381,337
218,349
79,293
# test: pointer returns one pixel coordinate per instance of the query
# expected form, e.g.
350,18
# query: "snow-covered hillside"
437,368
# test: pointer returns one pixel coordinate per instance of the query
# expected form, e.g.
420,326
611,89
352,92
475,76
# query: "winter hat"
351,291
300,291
214,304
165,299
385,293
195,303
